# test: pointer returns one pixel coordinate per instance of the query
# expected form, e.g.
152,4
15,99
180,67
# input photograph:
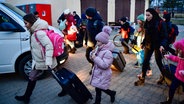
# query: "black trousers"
147,56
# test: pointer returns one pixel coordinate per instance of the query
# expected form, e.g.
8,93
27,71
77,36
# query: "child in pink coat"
179,74
102,58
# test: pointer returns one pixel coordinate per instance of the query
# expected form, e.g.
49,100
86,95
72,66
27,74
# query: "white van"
15,53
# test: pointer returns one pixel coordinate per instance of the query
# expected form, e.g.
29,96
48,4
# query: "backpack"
96,23
57,42
131,30
173,33
62,25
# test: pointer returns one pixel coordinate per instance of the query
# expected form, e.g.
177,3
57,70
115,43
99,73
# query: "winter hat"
124,19
140,17
91,11
31,18
107,29
104,35
179,45
66,11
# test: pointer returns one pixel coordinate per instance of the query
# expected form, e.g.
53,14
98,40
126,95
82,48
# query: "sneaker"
139,82
149,73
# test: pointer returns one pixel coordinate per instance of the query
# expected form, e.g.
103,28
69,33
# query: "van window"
5,23
8,24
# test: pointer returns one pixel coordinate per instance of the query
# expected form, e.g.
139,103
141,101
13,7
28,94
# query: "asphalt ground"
122,82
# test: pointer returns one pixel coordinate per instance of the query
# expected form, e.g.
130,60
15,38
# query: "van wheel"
25,65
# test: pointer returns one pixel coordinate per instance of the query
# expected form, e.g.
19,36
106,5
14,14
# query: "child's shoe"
113,96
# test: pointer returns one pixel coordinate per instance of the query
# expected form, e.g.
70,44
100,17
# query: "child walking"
102,58
179,74
138,40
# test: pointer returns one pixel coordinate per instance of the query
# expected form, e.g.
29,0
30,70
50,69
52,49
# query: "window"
6,23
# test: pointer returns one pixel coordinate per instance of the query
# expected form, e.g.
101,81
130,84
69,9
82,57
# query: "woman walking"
41,59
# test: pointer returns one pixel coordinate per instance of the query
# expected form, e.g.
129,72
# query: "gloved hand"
181,72
166,56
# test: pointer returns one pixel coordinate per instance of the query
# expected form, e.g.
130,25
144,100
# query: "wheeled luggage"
119,60
72,85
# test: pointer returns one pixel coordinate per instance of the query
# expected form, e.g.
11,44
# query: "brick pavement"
123,82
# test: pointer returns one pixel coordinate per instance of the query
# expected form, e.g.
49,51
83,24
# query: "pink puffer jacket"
179,67
101,73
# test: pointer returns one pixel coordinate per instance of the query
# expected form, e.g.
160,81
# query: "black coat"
92,29
155,34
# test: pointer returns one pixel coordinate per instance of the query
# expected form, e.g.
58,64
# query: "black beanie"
31,18
124,19
91,11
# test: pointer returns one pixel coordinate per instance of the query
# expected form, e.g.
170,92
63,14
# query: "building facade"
110,10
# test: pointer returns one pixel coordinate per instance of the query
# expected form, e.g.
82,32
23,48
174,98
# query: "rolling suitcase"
72,85
119,60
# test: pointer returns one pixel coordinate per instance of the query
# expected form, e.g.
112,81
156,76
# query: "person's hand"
49,66
181,72
162,49
166,56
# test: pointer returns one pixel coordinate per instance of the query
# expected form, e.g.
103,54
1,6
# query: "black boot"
111,94
26,97
62,93
98,96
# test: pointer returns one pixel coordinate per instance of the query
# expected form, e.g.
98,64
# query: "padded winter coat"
180,66
41,58
101,73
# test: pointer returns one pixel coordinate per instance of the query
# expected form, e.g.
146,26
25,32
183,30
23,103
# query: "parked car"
15,42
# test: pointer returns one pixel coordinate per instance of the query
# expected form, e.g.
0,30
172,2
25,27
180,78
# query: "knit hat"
124,19
104,35
31,18
66,11
107,29
140,17
179,45
91,11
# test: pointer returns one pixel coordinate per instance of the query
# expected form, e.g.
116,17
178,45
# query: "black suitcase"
73,85
119,60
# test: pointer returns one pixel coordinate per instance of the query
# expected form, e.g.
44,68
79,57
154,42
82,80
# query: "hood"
110,46
39,24
96,17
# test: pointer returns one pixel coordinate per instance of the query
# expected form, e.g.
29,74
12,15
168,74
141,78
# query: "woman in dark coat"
155,40
94,26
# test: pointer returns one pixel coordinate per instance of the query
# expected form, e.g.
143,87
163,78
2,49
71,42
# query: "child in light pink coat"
179,74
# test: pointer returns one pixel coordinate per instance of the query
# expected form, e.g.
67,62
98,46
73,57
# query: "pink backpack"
57,41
